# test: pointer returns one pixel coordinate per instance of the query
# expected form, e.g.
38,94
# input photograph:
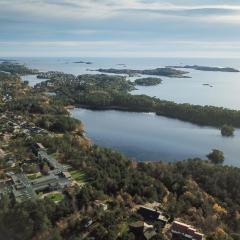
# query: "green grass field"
34,176
56,197
77,175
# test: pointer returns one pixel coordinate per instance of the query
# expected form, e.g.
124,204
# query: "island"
56,184
207,85
150,81
209,69
227,131
166,72
83,62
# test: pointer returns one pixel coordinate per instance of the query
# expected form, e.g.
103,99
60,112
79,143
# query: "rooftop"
186,230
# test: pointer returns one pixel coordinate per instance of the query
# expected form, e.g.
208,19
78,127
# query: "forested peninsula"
114,92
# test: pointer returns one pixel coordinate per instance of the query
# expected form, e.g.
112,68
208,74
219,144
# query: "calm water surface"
145,136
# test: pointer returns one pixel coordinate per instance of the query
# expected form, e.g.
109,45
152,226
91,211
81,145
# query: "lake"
145,136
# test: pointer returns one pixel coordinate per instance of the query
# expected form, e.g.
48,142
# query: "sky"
120,28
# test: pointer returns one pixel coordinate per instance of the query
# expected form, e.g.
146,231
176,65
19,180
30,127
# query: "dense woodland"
200,192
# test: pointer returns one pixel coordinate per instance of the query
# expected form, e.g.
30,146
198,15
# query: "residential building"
150,214
185,231
142,230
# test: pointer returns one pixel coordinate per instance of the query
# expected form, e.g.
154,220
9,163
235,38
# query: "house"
88,223
66,175
37,147
11,163
150,214
100,204
184,231
142,230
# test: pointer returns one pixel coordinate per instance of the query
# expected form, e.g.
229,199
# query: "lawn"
77,175
34,176
56,197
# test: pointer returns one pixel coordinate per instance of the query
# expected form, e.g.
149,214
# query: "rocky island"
207,85
83,62
205,68
150,81
165,72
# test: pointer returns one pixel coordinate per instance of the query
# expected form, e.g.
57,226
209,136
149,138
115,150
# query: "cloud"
75,9
137,26
72,11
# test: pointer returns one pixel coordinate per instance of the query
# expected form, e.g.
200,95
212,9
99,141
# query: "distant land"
6,60
166,72
121,64
205,68
207,84
83,62
15,68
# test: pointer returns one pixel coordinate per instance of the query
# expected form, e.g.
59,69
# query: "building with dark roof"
49,182
142,230
150,214
44,157
37,147
184,231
